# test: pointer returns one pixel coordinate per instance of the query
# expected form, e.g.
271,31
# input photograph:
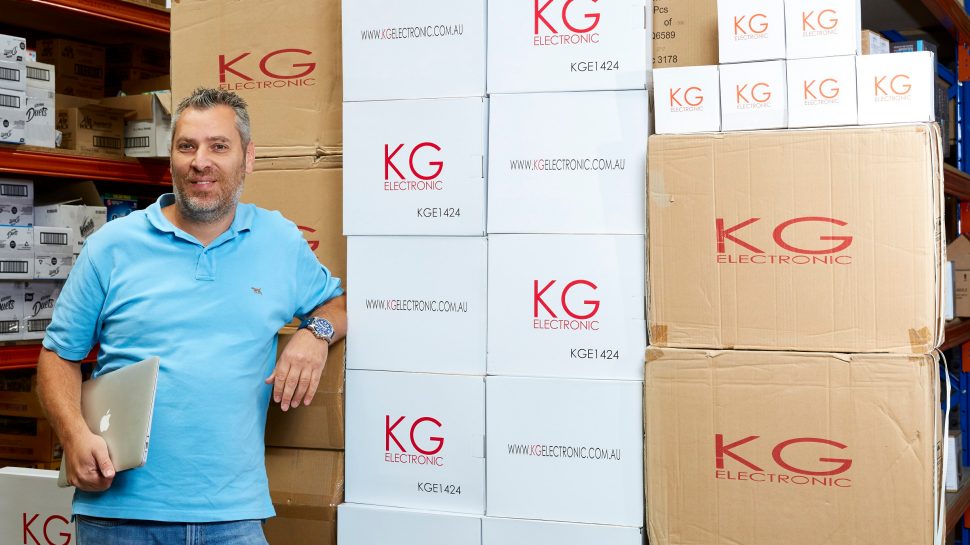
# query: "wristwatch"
320,327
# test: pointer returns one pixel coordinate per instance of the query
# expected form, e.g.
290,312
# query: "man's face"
209,163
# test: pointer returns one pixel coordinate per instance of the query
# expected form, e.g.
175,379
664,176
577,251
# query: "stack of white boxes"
40,105
13,89
793,64
562,399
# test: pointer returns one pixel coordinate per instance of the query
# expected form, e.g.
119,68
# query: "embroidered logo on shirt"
257,291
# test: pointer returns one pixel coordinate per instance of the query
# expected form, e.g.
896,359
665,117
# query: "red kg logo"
592,306
423,171
419,436
826,19
276,69
725,233
572,18
746,25
724,450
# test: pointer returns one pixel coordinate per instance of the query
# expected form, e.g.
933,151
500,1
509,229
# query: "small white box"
822,28
151,135
17,238
18,190
16,212
15,265
949,301
11,312
568,162
13,75
372,525
53,252
13,116
416,440
39,300
40,76
822,92
564,45
754,96
423,298
84,220
502,531
403,50
415,167
896,88
874,43
33,509
566,306
39,126
750,31
13,48
687,99
565,450
954,461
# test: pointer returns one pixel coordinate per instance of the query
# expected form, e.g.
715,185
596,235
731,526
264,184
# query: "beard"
211,208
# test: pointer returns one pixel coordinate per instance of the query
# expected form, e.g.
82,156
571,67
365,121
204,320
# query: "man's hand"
297,373
88,466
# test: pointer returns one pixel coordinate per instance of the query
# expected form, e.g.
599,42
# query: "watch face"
321,328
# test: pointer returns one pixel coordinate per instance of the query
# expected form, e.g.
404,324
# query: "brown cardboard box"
90,128
139,56
306,486
308,192
79,66
823,240
28,439
284,60
55,465
137,87
18,394
958,252
684,33
321,425
814,448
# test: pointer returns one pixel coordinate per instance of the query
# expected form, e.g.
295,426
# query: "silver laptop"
118,406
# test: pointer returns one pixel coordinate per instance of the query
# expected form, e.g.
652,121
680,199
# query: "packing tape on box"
919,340
304,506
658,334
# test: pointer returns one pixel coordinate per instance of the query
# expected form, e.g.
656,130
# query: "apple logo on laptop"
105,421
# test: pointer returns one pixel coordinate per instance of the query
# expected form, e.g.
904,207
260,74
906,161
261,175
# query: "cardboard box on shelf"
687,99
90,128
913,45
13,116
286,67
54,249
958,252
148,123
140,86
555,46
40,76
566,306
749,31
39,120
549,439
23,438
16,190
319,425
429,315
139,56
16,212
873,43
11,313
13,48
16,265
432,178
825,240
33,509
306,486
822,92
432,49
13,75
416,440
583,175
954,463
370,524
18,392
503,531
822,29
896,88
739,441
949,302
754,96
76,205
119,206
39,299
317,212
27,464
684,33
17,237
79,66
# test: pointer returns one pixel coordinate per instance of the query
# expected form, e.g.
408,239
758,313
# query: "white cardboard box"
564,45
754,96
403,50
954,461
503,531
873,43
565,450
568,162
566,306
687,99
896,88
13,75
17,189
33,509
39,124
13,116
13,48
418,304
39,300
11,312
40,76
17,238
53,252
84,220
372,525
825,28
415,167
16,212
949,300
15,265
750,31
151,137
822,92
416,440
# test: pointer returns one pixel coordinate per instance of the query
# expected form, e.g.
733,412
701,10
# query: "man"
205,283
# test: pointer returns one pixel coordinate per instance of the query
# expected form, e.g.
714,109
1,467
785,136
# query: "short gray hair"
204,98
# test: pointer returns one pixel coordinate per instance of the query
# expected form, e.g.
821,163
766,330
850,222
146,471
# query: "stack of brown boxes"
26,438
286,65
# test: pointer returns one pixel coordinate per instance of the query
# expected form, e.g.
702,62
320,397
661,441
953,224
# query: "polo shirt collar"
242,221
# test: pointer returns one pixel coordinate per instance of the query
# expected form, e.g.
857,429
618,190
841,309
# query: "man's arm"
86,454
301,364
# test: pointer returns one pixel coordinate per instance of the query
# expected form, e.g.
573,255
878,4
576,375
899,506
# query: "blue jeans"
101,531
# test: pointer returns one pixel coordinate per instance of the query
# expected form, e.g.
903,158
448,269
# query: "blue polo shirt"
142,287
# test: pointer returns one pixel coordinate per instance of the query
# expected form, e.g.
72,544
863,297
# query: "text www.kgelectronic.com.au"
567,165
416,305
563,451
409,32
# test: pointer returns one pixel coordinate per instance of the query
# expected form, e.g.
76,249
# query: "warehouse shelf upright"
92,21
